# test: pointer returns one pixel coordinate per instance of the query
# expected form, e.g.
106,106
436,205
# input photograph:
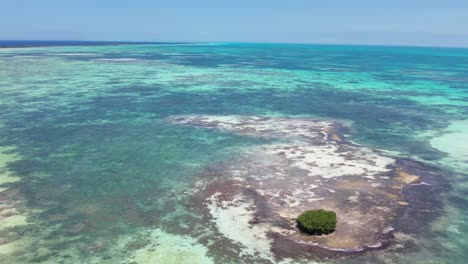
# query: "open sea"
105,149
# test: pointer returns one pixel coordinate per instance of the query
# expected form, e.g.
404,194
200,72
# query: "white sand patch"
166,248
11,220
454,142
232,220
327,161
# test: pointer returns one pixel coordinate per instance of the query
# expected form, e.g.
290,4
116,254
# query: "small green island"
317,222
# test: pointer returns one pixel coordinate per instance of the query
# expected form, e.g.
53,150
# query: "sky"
379,22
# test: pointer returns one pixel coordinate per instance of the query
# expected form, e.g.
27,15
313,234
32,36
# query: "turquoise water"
90,171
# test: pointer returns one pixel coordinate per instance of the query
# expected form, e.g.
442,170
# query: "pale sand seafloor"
453,141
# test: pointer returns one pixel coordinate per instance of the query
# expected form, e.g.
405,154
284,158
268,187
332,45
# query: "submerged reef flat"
255,198
12,215
103,158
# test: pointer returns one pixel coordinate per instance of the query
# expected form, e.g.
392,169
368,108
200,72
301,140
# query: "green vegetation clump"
317,222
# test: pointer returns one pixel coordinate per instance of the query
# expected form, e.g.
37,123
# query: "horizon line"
145,42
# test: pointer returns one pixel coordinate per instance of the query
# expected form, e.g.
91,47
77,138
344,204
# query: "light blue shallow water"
88,163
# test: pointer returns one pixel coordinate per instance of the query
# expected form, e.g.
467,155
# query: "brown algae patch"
405,178
254,198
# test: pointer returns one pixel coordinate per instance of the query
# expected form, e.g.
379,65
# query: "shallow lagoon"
91,171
